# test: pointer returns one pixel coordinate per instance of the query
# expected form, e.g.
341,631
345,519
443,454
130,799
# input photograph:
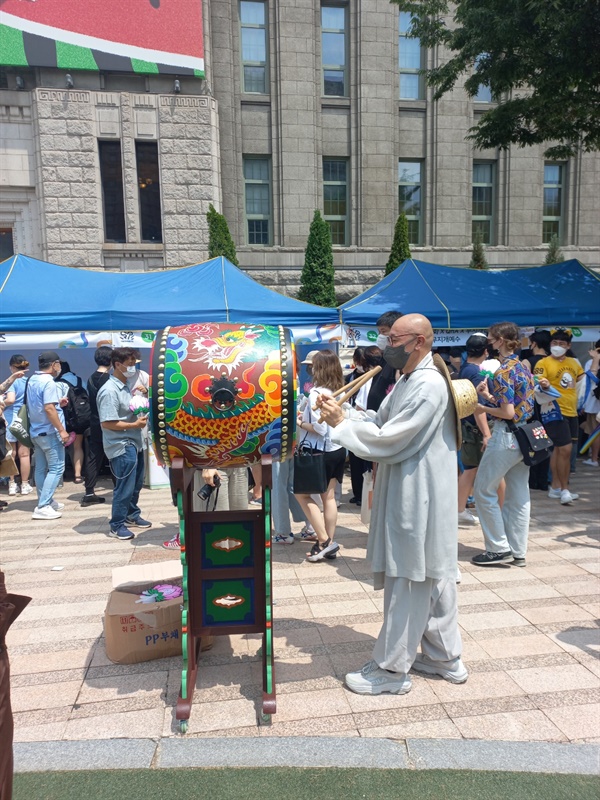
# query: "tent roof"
39,296
451,297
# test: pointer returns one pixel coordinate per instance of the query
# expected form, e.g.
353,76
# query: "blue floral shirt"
513,383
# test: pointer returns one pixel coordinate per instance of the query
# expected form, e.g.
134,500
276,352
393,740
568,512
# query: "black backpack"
77,412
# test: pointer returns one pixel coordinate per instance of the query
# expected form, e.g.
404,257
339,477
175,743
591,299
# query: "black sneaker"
487,559
138,522
92,500
519,562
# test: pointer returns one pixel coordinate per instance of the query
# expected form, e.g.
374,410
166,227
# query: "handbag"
8,468
309,470
366,503
19,427
534,443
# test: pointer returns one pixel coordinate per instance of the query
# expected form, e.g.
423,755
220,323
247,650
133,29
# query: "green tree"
400,247
478,259
539,58
317,279
554,254
220,242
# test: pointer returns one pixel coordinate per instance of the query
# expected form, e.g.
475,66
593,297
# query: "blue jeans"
49,466
128,470
507,528
282,498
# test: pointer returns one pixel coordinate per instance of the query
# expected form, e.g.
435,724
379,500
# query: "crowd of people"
401,426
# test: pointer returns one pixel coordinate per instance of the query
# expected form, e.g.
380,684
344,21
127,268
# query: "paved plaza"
531,637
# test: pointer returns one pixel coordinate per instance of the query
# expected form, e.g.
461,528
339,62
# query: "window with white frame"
257,194
253,21
410,59
483,201
335,198
334,20
410,197
552,222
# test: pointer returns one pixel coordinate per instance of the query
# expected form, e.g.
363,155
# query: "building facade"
304,105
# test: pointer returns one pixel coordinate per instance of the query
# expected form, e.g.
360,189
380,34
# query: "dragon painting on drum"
223,394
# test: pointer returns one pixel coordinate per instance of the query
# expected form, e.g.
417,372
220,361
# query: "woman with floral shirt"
506,529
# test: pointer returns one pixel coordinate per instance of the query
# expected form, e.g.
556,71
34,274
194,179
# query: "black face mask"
396,357
493,353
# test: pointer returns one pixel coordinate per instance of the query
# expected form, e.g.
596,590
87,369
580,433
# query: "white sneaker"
374,680
466,518
46,512
57,506
555,494
590,463
26,488
454,672
280,538
12,489
567,497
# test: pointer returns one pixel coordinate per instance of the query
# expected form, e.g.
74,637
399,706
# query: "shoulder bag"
534,443
19,427
309,469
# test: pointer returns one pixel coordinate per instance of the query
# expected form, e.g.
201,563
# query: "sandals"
327,549
77,480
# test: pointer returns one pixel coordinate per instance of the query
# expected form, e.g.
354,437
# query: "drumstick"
357,382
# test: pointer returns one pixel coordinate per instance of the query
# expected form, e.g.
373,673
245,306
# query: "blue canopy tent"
451,297
36,296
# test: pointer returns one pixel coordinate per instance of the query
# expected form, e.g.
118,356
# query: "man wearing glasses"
414,522
48,434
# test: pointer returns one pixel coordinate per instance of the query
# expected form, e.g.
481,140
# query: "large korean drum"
222,395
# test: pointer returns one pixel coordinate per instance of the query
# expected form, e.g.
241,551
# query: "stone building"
304,105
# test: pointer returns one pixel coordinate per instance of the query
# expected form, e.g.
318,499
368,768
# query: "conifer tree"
317,279
400,247
220,242
554,254
478,260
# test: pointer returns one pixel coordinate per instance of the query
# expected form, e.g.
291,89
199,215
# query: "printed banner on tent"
145,36
364,335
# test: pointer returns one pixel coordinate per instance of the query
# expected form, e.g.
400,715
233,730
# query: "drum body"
223,394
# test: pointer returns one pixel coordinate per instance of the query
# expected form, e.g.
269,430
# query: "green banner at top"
143,36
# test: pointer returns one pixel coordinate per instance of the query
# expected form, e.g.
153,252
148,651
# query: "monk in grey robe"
414,531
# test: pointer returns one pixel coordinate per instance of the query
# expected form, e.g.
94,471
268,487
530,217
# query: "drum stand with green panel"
199,409
227,586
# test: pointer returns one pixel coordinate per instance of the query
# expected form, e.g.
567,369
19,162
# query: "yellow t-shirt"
563,377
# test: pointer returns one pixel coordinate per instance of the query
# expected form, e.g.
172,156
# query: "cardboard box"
142,631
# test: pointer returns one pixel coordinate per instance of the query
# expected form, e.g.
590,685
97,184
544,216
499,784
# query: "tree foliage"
554,254
539,58
220,242
317,279
478,259
400,246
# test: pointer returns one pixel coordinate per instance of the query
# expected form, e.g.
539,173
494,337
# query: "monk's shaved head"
416,324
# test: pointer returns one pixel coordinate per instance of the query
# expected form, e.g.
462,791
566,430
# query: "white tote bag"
366,502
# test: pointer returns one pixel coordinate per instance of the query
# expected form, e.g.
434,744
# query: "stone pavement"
531,638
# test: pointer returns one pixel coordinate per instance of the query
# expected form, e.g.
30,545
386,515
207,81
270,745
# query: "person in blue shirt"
13,400
48,434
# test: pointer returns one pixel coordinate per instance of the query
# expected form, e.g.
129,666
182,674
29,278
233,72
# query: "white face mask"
130,371
382,342
558,351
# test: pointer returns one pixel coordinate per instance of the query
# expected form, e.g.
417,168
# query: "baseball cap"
309,358
48,357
